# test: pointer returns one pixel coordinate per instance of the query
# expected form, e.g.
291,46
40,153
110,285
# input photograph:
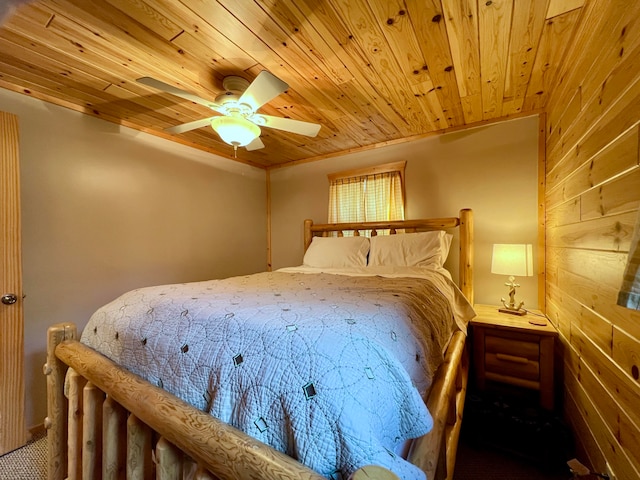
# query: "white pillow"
410,249
337,252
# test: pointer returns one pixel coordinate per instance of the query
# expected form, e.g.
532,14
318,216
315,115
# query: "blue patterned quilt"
329,369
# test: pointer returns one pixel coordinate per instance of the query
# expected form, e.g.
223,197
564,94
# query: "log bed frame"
104,422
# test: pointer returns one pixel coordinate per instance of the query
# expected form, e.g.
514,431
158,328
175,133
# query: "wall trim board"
542,240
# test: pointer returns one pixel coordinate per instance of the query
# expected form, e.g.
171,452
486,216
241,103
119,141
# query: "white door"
12,421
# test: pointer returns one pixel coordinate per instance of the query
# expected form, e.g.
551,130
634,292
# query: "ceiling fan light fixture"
235,131
239,123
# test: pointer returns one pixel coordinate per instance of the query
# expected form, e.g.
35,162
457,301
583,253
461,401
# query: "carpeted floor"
26,463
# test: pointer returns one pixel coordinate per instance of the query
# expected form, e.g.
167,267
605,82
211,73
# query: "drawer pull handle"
511,358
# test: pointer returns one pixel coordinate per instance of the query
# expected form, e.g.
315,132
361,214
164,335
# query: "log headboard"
464,222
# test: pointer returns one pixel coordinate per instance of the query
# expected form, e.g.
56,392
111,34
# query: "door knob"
9,298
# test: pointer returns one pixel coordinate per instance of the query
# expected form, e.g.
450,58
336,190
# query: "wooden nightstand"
509,349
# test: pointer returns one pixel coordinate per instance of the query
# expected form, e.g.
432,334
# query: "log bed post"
308,236
466,254
168,460
56,421
114,448
75,386
92,398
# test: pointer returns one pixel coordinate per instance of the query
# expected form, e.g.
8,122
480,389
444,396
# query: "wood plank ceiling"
371,72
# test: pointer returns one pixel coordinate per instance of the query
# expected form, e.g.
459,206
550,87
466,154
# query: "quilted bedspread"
329,369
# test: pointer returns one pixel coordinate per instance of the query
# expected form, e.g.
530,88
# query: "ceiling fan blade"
265,87
186,127
157,84
255,144
288,125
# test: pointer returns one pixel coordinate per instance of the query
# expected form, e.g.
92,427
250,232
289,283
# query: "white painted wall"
106,209
491,169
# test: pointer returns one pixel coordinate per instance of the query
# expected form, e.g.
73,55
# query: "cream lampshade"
512,260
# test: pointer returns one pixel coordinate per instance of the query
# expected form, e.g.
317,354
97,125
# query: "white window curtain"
629,295
367,198
346,200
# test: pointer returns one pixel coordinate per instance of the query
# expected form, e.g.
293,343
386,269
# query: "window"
629,294
367,195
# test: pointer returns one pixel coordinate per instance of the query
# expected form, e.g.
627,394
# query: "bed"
108,417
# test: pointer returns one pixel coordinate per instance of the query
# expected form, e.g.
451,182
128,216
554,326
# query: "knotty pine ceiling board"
495,28
557,30
461,20
371,72
526,27
432,36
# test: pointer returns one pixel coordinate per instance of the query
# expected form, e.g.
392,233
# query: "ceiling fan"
239,123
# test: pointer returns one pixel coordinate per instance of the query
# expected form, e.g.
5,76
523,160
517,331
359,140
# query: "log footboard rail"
105,422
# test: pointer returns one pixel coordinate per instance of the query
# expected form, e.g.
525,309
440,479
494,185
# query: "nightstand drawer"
509,346
512,366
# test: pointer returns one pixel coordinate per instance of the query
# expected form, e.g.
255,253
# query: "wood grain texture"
558,7
467,253
76,384
13,432
509,349
617,157
541,266
369,71
556,31
139,449
57,407
494,24
114,453
592,200
92,398
461,20
525,42
168,460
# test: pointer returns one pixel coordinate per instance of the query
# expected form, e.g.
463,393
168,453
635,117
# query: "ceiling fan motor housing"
230,100
235,84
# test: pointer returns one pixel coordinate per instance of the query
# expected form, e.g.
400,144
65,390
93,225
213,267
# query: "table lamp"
513,260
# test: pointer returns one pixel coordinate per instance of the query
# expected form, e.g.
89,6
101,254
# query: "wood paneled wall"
592,200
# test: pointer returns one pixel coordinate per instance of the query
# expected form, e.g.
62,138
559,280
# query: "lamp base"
513,311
